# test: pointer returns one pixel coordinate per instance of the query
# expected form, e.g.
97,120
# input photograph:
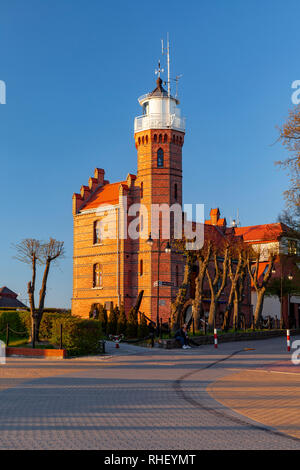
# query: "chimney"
99,175
214,216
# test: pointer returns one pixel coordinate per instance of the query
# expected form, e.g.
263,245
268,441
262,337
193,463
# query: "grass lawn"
17,341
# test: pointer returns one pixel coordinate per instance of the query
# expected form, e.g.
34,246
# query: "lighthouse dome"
160,111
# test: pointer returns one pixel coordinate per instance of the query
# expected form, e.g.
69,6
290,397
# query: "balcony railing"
159,121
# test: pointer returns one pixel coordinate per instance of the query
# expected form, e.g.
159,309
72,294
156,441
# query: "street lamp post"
160,244
290,278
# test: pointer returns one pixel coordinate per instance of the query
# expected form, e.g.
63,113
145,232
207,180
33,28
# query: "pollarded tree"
217,277
259,281
36,252
203,258
237,268
178,304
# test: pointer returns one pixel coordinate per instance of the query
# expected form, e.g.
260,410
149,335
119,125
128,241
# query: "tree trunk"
259,306
236,309
212,313
228,310
177,305
198,301
42,299
30,290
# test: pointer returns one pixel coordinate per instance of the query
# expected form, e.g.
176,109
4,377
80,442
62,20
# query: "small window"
160,158
141,267
142,190
160,138
97,231
165,138
146,107
97,275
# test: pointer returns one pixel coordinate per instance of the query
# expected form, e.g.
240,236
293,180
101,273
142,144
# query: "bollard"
288,341
7,335
215,338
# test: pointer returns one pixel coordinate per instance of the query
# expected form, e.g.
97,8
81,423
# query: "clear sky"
74,70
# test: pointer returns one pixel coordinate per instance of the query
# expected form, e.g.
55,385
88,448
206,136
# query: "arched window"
143,140
165,138
160,138
141,267
146,139
97,231
97,275
160,158
155,137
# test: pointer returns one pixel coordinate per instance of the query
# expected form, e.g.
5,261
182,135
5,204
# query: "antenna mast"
166,50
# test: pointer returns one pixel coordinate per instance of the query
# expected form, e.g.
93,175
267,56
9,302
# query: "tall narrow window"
97,275
160,158
97,231
141,267
142,190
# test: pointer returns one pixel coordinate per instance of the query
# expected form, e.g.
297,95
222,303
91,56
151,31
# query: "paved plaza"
141,398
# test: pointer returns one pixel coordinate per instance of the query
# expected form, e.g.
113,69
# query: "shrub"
113,321
122,321
18,320
103,318
143,330
79,336
132,324
47,324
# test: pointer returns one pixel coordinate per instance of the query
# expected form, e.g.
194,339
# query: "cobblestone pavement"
138,398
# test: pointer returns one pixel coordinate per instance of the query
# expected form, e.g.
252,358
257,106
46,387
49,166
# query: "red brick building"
117,268
112,266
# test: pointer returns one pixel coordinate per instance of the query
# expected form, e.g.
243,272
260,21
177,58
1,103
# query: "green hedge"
79,336
17,320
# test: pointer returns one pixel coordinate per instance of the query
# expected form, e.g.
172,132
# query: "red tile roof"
107,194
262,233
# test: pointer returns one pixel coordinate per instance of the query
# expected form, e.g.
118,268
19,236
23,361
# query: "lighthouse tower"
159,136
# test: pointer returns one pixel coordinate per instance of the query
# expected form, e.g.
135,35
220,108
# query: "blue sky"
74,70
